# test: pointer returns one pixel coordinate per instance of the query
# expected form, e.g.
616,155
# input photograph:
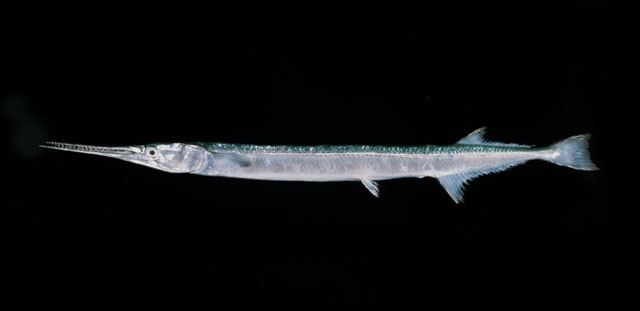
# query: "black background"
91,232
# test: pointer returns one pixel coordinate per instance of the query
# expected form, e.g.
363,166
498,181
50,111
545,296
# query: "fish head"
172,157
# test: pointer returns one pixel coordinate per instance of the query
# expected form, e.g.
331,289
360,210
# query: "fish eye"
152,151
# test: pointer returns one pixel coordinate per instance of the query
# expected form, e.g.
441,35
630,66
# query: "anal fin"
372,186
454,185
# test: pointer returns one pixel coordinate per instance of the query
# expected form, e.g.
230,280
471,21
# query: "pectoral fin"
235,158
372,186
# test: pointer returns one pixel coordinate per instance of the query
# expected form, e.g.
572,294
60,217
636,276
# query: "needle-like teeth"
76,147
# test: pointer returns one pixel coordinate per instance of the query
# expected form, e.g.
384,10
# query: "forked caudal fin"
573,152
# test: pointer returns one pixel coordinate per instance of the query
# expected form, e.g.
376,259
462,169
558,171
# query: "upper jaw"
114,152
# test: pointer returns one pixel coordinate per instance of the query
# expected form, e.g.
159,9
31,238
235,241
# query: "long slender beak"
113,152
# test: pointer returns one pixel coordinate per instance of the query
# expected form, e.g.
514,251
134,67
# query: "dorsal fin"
477,138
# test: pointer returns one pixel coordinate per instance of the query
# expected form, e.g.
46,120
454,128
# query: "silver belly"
337,167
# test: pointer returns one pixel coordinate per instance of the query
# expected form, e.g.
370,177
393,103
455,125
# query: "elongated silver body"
340,163
452,165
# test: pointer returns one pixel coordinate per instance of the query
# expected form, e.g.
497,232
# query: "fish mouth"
88,149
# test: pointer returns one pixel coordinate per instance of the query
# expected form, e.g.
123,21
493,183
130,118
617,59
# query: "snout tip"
52,145
48,144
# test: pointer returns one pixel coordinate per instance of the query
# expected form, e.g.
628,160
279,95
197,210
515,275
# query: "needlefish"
453,165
